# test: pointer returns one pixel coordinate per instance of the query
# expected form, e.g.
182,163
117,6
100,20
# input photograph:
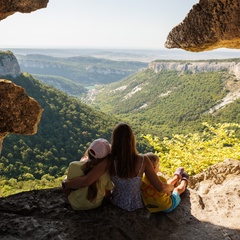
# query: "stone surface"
19,113
233,67
209,25
8,8
209,210
9,65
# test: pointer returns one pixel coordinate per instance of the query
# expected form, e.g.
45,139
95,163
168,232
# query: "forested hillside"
63,84
169,101
67,127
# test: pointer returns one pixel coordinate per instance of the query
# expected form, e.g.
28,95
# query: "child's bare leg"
183,184
181,187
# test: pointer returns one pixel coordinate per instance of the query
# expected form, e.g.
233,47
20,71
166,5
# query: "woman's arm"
91,177
154,180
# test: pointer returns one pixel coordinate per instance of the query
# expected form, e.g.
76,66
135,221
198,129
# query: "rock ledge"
209,210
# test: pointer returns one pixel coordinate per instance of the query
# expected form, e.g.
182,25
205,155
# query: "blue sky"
134,24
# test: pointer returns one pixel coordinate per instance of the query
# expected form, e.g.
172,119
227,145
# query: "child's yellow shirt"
153,200
78,198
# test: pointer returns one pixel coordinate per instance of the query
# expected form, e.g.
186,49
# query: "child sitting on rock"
91,194
156,201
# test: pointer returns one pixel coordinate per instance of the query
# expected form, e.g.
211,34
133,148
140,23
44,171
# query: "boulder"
209,25
19,113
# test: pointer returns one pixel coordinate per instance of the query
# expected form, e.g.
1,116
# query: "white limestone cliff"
233,67
9,65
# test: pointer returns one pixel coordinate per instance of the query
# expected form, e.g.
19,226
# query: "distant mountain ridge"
81,70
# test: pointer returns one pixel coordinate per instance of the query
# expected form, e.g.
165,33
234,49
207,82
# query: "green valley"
169,102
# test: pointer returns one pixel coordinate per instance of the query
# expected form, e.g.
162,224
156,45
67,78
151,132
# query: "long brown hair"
89,165
124,152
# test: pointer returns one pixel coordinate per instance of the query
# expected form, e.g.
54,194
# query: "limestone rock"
9,65
209,210
209,25
19,113
233,67
8,8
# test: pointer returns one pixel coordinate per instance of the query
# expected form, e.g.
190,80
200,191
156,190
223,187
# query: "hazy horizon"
144,55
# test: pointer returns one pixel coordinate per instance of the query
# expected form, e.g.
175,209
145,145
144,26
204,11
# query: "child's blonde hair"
153,158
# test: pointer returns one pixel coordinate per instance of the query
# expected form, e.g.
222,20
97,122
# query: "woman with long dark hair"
126,170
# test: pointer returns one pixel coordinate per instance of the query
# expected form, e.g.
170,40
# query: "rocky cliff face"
232,67
9,65
19,113
209,210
